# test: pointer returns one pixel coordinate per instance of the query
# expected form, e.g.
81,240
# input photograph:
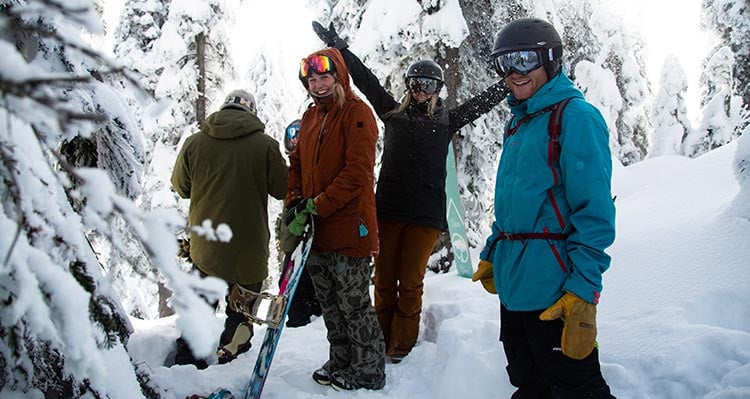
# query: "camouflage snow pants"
357,349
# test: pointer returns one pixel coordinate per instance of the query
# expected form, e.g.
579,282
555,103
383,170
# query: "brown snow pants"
399,281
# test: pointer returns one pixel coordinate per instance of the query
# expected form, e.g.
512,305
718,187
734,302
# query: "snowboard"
455,216
220,393
293,267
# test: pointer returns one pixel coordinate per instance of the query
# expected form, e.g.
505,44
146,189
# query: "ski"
455,216
293,267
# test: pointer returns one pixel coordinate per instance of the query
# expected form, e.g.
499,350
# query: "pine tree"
668,111
59,314
722,114
731,20
623,55
741,206
63,330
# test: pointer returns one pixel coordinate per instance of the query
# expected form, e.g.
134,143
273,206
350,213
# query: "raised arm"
363,78
477,106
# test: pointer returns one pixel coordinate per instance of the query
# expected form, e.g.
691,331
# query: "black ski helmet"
425,69
531,34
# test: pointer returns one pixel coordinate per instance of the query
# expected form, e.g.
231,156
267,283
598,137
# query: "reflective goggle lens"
319,64
292,132
521,62
427,85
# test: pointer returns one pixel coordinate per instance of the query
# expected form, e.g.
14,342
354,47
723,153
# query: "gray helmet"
531,34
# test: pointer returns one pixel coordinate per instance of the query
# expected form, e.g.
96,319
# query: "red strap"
531,236
523,237
553,152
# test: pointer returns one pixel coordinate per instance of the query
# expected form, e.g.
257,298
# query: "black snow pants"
537,366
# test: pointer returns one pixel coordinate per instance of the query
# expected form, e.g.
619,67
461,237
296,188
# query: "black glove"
329,36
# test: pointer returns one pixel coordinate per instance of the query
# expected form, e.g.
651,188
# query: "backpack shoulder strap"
553,153
553,128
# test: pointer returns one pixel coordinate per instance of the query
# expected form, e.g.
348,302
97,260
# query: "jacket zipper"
321,133
556,254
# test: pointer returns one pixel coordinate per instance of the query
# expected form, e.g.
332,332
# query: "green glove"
288,240
579,331
485,274
303,208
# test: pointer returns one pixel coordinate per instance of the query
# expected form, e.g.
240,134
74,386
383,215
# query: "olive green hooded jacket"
228,170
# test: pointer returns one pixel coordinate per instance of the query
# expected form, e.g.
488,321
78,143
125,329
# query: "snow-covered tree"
741,206
140,26
190,63
180,50
730,19
722,114
59,315
668,111
578,38
62,329
622,53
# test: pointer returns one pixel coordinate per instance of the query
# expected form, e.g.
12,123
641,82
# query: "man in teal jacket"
554,217
228,170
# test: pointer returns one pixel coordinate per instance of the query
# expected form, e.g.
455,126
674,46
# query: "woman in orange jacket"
331,179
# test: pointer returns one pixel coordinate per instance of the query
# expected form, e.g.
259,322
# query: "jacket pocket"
558,256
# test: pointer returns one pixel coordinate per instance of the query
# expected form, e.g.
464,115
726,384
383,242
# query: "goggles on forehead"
319,64
426,85
521,62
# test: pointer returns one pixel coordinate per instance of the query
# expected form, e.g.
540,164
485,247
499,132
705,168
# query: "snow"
674,318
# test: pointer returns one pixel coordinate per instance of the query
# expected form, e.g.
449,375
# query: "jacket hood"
557,89
342,72
232,123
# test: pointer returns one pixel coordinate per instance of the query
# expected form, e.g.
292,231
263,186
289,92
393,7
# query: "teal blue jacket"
532,274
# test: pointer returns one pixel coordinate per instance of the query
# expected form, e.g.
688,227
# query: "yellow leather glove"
485,275
579,331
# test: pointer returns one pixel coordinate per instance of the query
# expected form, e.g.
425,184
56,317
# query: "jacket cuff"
324,206
583,290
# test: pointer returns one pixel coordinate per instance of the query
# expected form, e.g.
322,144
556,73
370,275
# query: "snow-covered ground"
674,318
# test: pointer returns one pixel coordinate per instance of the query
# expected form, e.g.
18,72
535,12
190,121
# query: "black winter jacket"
411,185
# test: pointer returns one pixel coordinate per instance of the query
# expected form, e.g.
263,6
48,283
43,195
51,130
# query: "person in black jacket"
410,196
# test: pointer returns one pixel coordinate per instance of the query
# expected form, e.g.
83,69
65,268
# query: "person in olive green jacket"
227,170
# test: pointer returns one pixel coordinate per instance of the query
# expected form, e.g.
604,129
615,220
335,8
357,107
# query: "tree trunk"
200,102
164,294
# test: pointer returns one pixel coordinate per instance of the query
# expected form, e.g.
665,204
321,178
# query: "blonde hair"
431,107
339,96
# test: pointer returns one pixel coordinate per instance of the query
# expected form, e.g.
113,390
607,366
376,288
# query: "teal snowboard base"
456,216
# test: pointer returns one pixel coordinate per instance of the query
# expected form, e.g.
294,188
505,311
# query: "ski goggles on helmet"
522,62
319,64
292,132
426,85
291,136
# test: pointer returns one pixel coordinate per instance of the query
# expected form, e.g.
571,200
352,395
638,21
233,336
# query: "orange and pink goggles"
319,64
